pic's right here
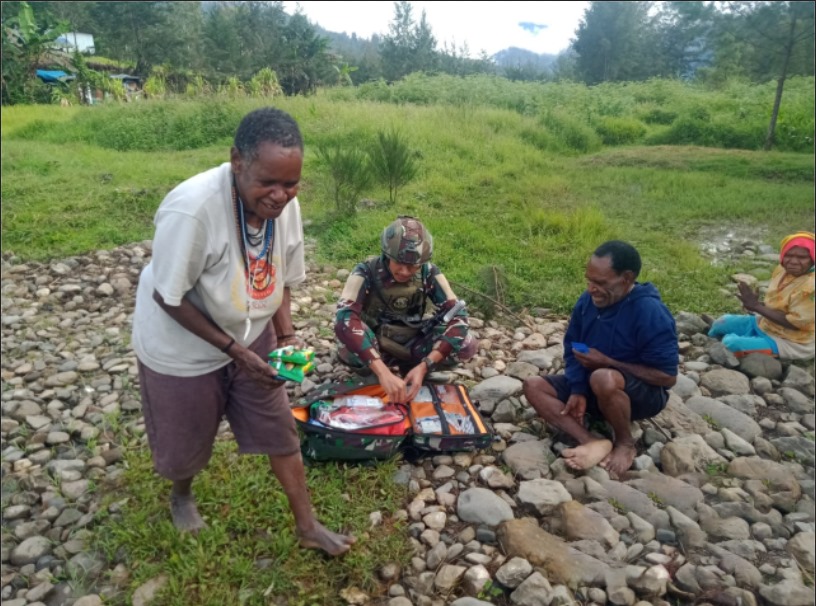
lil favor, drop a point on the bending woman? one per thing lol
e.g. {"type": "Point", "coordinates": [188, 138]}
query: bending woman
{"type": "Point", "coordinates": [786, 319]}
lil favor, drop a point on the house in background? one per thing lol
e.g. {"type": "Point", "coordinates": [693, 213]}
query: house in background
{"type": "Point", "coordinates": [132, 85]}
{"type": "Point", "coordinates": [72, 41]}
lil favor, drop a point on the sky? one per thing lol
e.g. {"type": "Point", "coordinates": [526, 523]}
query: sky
{"type": "Point", "coordinates": [541, 27]}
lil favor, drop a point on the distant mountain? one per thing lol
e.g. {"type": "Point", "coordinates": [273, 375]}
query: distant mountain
{"type": "Point", "coordinates": [518, 57]}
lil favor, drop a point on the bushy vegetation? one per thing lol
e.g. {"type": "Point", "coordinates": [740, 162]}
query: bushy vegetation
{"type": "Point", "coordinates": [734, 115]}
{"type": "Point", "coordinates": [532, 192]}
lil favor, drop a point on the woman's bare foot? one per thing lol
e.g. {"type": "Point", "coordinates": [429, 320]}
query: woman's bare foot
{"type": "Point", "coordinates": [185, 513]}
{"type": "Point", "coordinates": [620, 459]}
{"type": "Point", "coordinates": [321, 537]}
{"type": "Point", "coordinates": [587, 455]}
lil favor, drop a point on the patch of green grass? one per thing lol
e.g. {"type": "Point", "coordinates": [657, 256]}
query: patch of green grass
{"type": "Point", "coordinates": [487, 191]}
{"type": "Point", "coordinates": [716, 469]}
{"type": "Point", "coordinates": [657, 500]}
{"type": "Point", "coordinates": [711, 421]}
{"type": "Point", "coordinates": [619, 507]}
{"type": "Point", "coordinates": [249, 554]}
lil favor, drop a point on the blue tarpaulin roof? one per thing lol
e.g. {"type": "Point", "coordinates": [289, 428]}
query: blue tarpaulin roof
{"type": "Point", "coordinates": [51, 75]}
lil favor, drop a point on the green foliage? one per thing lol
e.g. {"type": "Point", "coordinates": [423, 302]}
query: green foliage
{"type": "Point", "coordinates": [711, 421]}
{"type": "Point", "coordinates": [28, 43]}
{"type": "Point", "coordinates": [265, 84]}
{"type": "Point", "coordinates": [249, 554]}
{"type": "Point", "coordinates": [349, 170]}
{"type": "Point", "coordinates": [658, 115]}
{"type": "Point", "coordinates": [393, 162]}
{"type": "Point", "coordinates": [716, 469]}
{"type": "Point", "coordinates": [488, 195]}
{"type": "Point", "coordinates": [619, 507]}
{"type": "Point", "coordinates": [170, 125]}
{"type": "Point", "coordinates": [573, 133]}
{"type": "Point", "coordinates": [696, 131]}
{"type": "Point", "coordinates": [619, 131]}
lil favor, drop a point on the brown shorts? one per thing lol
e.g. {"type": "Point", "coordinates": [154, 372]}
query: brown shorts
{"type": "Point", "coordinates": [182, 415]}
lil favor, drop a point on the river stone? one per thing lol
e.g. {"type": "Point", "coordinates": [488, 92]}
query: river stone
{"type": "Point", "coordinates": [666, 490]}
{"type": "Point", "coordinates": [678, 419]}
{"type": "Point", "coordinates": [543, 495]}
{"type": "Point", "coordinates": [529, 459]}
{"type": "Point", "coordinates": [685, 387]}
{"type": "Point", "coordinates": [761, 365]}
{"type": "Point", "coordinates": [800, 379]}
{"type": "Point", "coordinates": [796, 401]}
{"type": "Point", "coordinates": [688, 454]}
{"type": "Point", "coordinates": [689, 323]}
{"type": "Point", "coordinates": [801, 547]}
{"type": "Point", "coordinates": [540, 358]}
{"type": "Point", "coordinates": [30, 550]}
{"type": "Point", "coordinates": [725, 416]}
{"type": "Point", "coordinates": [560, 563]}
{"type": "Point", "coordinates": [483, 506]}
{"type": "Point", "coordinates": [787, 593]}
{"type": "Point", "coordinates": [721, 382]}
{"type": "Point", "coordinates": [583, 523]}
{"type": "Point", "coordinates": [495, 389]}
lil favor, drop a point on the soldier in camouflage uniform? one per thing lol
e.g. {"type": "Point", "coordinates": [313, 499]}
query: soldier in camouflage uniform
{"type": "Point", "coordinates": [379, 321]}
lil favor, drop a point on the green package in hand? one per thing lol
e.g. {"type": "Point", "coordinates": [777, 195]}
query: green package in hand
{"type": "Point", "coordinates": [293, 354]}
{"type": "Point", "coordinates": [290, 371]}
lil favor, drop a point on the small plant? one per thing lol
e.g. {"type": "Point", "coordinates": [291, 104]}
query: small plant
{"type": "Point", "coordinates": [348, 167]}
{"type": "Point", "coordinates": [715, 469]}
{"type": "Point", "coordinates": [393, 162]}
{"type": "Point", "coordinates": [711, 421]}
{"type": "Point", "coordinates": [265, 84]}
{"type": "Point", "coordinates": [489, 591]}
{"type": "Point", "coordinates": [657, 500]}
{"type": "Point", "coordinates": [619, 507]}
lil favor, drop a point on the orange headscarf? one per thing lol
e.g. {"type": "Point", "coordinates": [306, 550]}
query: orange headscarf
{"type": "Point", "coordinates": [805, 239]}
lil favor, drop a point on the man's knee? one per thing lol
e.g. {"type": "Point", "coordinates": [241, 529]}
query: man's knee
{"type": "Point", "coordinates": [542, 396]}
{"type": "Point", "coordinates": [605, 381]}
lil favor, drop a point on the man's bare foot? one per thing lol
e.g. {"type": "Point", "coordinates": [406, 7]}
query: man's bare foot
{"type": "Point", "coordinates": [321, 537]}
{"type": "Point", "coordinates": [185, 514]}
{"type": "Point", "coordinates": [619, 460]}
{"type": "Point", "coordinates": [586, 455]}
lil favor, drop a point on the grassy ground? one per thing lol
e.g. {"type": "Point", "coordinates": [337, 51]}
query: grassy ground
{"type": "Point", "coordinates": [249, 554]}
{"type": "Point", "coordinates": [489, 195]}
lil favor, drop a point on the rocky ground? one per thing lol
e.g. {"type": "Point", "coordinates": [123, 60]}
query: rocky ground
{"type": "Point", "coordinates": [718, 507]}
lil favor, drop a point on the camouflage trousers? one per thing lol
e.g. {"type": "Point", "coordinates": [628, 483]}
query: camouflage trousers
{"type": "Point", "coordinates": [419, 350]}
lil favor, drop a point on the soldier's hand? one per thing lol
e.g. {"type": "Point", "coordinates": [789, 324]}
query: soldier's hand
{"type": "Point", "coordinates": [414, 379]}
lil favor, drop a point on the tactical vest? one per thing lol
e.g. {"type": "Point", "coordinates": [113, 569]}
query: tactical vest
{"type": "Point", "coordinates": [399, 303]}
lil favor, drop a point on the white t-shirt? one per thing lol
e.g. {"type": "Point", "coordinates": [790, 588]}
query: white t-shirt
{"type": "Point", "coordinates": [197, 253]}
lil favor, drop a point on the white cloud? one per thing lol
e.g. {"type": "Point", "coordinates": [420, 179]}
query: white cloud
{"type": "Point", "coordinates": [489, 26]}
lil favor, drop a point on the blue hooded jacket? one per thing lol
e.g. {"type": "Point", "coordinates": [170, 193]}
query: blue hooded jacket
{"type": "Point", "coordinates": [638, 329]}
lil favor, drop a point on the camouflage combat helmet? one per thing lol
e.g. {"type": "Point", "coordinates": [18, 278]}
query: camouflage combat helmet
{"type": "Point", "coordinates": [407, 241]}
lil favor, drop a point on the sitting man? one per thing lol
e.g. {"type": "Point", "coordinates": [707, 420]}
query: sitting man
{"type": "Point", "coordinates": [621, 356]}
{"type": "Point", "coordinates": [379, 316]}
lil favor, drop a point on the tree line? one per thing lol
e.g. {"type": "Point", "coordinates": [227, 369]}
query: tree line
{"type": "Point", "coordinates": [226, 41]}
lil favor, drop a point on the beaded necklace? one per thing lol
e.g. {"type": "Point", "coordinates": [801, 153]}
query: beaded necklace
{"type": "Point", "coordinates": [244, 238]}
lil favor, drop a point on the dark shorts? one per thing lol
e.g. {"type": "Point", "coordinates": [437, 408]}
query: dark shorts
{"type": "Point", "coordinates": [646, 400]}
{"type": "Point", "coordinates": [182, 415]}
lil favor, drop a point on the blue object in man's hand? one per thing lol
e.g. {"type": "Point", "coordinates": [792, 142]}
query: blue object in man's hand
{"type": "Point", "coordinates": [580, 348]}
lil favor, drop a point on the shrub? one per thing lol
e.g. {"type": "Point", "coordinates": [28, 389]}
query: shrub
{"type": "Point", "coordinates": [658, 115]}
{"type": "Point", "coordinates": [720, 133]}
{"type": "Point", "coordinates": [574, 134]}
{"type": "Point", "coordinates": [541, 138]}
{"type": "Point", "coordinates": [619, 131]}
{"type": "Point", "coordinates": [393, 162]}
{"type": "Point", "coordinates": [349, 169]}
